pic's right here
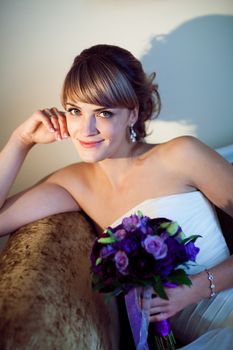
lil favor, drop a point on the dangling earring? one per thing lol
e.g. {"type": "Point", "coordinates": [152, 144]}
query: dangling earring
{"type": "Point", "coordinates": [133, 134]}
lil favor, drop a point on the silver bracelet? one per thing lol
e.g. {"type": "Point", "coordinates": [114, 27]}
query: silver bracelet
{"type": "Point", "coordinates": [212, 285]}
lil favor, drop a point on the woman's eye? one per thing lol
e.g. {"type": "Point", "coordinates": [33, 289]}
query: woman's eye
{"type": "Point", "coordinates": [105, 114]}
{"type": "Point", "coordinates": [74, 111]}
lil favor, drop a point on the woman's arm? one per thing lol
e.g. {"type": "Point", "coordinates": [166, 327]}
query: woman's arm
{"type": "Point", "coordinates": [44, 199]}
{"type": "Point", "coordinates": [11, 159]}
{"type": "Point", "coordinates": [39, 128]}
{"type": "Point", "coordinates": [182, 296]}
{"type": "Point", "coordinates": [200, 167]}
{"type": "Point", "coordinates": [47, 197]}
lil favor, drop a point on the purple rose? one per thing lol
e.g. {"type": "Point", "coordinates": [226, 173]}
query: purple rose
{"type": "Point", "coordinates": [131, 223]}
{"type": "Point", "coordinates": [121, 261]}
{"type": "Point", "coordinates": [155, 245]}
{"type": "Point", "coordinates": [134, 222]}
{"type": "Point", "coordinates": [191, 251]}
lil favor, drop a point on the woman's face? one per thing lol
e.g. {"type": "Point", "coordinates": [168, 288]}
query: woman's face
{"type": "Point", "coordinates": [97, 132]}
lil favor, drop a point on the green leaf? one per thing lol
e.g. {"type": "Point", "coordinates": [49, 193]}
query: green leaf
{"type": "Point", "coordinates": [109, 231]}
{"type": "Point", "coordinates": [97, 285]}
{"type": "Point", "coordinates": [180, 277]}
{"type": "Point", "coordinates": [107, 240]}
{"type": "Point", "coordinates": [98, 261]}
{"type": "Point", "coordinates": [192, 238]}
{"type": "Point", "coordinates": [158, 287]}
{"type": "Point", "coordinates": [164, 224]}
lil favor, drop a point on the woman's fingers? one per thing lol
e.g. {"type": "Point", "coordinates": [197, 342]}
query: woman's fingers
{"type": "Point", "coordinates": [42, 127]}
{"type": "Point", "coordinates": [156, 301]}
{"type": "Point", "coordinates": [43, 116]}
{"type": "Point", "coordinates": [56, 122]}
{"type": "Point", "coordinates": [158, 317]}
{"type": "Point", "coordinates": [159, 308]}
{"type": "Point", "coordinates": [61, 118]}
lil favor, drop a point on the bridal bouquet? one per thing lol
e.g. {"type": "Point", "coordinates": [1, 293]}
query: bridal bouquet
{"type": "Point", "coordinates": [142, 254]}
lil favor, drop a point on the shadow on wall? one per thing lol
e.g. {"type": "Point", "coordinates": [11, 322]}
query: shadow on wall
{"type": "Point", "coordinates": [194, 65]}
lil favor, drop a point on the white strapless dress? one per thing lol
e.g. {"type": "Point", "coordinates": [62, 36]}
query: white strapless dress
{"type": "Point", "coordinates": [209, 324]}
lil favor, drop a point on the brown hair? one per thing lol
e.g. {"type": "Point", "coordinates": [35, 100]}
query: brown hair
{"type": "Point", "coordinates": [110, 76]}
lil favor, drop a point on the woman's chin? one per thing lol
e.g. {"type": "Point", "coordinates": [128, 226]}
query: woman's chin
{"type": "Point", "coordinates": [91, 157]}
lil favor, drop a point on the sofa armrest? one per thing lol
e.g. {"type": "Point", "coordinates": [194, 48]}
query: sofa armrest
{"type": "Point", "coordinates": [46, 301]}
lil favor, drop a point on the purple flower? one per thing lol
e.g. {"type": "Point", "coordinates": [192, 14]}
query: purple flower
{"type": "Point", "coordinates": [121, 261]}
{"type": "Point", "coordinates": [106, 251]}
{"type": "Point", "coordinates": [128, 245]}
{"type": "Point", "coordinates": [131, 223]}
{"type": "Point", "coordinates": [141, 265]}
{"type": "Point", "coordinates": [120, 234]}
{"type": "Point", "coordinates": [134, 222]}
{"type": "Point", "coordinates": [164, 266]}
{"type": "Point", "coordinates": [191, 251]}
{"type": "Point", "coordinates": [155, 245]}
{"type": "Point", "coordinates": [138, 251]}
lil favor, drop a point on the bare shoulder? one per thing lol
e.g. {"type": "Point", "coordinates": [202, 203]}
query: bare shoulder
{"type": "Point", "coordinates": [186, 150]}
{"type": "Point", "coordinates": [181, 146]}
{"type": "Point", "coordinates": [200, 167]}
{"type": "Point", "coordinates": [75, 171]}
{"type": "Point", "coordinates": [75, 179]}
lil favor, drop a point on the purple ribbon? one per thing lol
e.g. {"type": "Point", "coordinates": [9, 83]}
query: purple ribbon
{"type": "Point", "coordinates": [162, 328]}
{"type": "Point", "coordinates": [137, 320]}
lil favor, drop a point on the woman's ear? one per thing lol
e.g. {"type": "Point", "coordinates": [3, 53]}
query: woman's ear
{"type": "Point", "coordinates": [133, 117]}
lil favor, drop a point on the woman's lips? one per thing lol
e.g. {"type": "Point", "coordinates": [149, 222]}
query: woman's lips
{"type": "Point", "coordinates": [90, 144]}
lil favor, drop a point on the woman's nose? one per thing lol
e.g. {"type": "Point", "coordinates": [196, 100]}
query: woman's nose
{"type": "Point", "coordinates": [88, 126]}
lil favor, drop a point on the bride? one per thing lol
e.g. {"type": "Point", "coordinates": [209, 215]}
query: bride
{"type": "Point", "coordinates": [107, 99]}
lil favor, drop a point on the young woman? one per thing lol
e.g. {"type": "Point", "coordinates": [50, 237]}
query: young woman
{"type": "Point", "coordinates": [108, 98]}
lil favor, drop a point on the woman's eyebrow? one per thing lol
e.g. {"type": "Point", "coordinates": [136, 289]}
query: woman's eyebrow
{"type": "Point", "coordinates": [95, 110]}
{"type": "Point", "coordinates": [71, 104]}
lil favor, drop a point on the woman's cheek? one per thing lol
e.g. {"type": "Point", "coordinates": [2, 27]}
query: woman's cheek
{"type": "Point", "coordinates": [72, 127]}
{"type": "Point", "coordinates": [105, 130]}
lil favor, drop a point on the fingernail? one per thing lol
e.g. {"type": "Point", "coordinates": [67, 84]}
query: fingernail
{"type": "Point", "coordinates": [59, 138]}
{"type": "Point", "coordinates": [65, 135]}
{"type": "Point", "coordinates": [52, 130]}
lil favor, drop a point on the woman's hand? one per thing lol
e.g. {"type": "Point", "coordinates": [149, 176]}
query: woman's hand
{"type": "Point", "coordinates": [162, 309]}
{"type": "Point", "coordinates": [44, 126]}
{"type": "Point", "coordinates": [179, 298]}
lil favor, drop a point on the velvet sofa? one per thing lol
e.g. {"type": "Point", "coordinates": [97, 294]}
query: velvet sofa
{"type": "Point", "coordinates": [46, 300]}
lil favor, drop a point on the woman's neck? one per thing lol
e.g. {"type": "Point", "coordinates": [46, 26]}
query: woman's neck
{"type": "Point", "coordinates": [117, 171]}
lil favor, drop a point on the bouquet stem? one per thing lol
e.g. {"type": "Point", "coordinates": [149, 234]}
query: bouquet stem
{"type": "Point", "coordinates": [165, 343]}
{"type": "Point", "coordinates": [161, 336]}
